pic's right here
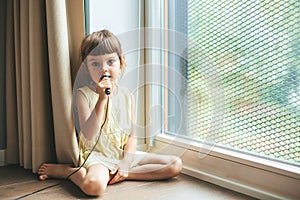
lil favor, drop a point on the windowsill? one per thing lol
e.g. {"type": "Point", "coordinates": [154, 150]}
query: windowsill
{"type": "Point", "coordinates": [234, 156]}
{"type": "Point", "coordinates": [254, 176]}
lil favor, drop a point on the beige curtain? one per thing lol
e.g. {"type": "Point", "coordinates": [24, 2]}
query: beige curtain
{"type": "Point", "coordinates": [42, 45]}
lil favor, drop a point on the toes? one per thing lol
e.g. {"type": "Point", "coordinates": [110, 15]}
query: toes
{"type": "Point", "coordinates": [42, 172]}
{"type": "Point", "coordinates": [41, 169]}
{"type": "Point", "coordinates": [43, 177]}
{"type": "Point", "coordinates": [43, 166]}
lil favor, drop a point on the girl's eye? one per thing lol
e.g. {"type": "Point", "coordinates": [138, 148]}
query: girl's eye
{"type": "Point", "coordinates": [111, 62]}
{"type": "Point", "coordinates": [95, 64]}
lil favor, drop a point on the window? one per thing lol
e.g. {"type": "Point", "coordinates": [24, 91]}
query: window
{"type": "Point", "coordinates": [234, 92]}
{"type": "Point", "coordinates": [242, 74]}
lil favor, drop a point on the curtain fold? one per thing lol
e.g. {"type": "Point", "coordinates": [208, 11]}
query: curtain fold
{"type": "Point", "coordinates": [12, 147]}
{"type": "Point", "coordinates": [41, 62]}
{"type": "Point", "coordinates": [61, 85]}
{"type": "Point", "coordinates": [3, 20]}
{"type": "Point", "coordinates": [40, 103]}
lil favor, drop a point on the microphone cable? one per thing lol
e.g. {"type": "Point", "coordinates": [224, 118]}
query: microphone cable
{"type": "Point", "coordinates": [67, 178]}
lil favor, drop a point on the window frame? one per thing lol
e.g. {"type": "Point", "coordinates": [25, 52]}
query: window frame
{"type": "Point", "coordinates": [252, 175]}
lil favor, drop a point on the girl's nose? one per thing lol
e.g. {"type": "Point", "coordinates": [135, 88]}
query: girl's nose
{"type": "Point", "coordinates": [106, 67]}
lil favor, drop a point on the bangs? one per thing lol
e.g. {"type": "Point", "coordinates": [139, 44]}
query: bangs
{"type": "Point", "coordinates": [106, 46]}
{"type": "Point", "coordinates": [100, 43]}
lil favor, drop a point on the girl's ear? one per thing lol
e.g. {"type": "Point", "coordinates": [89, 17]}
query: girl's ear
{"type": "Point", "coordinates": [122, 61]}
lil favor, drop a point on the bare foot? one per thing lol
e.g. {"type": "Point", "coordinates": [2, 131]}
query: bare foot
{"type": "Point", "coordinates": [54, 171]}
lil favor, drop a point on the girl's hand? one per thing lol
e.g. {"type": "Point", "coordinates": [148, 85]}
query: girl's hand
{"type": "Point", "coordinates": [121, 173]}
{"type": "Point", "coordinates": [102, 85]}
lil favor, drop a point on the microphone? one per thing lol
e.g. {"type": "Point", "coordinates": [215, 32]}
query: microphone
{"type": "Point", "coordinates": [107, 90]}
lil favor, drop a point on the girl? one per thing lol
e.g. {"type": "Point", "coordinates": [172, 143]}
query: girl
{"type": "Point", "coordinates": [114, 158]}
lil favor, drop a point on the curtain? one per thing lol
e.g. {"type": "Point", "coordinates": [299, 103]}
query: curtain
{"type": "Point", "coordinates": [2, 80]}
{"type": "Point", "coordinates": [42, 46]}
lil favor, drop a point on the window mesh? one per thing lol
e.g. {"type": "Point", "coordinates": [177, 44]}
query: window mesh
{"type": "Point", "coordinates": [244, 75]}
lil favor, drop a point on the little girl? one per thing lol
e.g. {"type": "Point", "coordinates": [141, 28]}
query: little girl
{"type": "Point", "coordinates": [110, 114]}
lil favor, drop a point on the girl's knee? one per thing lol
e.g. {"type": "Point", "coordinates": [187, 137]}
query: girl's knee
{"type": "Point", "coordinates": [176, 167]}
{"type": "Point", "coordinates": [93, 187]}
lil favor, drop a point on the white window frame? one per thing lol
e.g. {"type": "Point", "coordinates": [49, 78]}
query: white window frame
{"type": "Point", "coordinates": [248, 174]}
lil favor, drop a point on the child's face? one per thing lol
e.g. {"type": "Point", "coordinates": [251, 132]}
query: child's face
{"type": "Point", "coordinates": [107, 64]}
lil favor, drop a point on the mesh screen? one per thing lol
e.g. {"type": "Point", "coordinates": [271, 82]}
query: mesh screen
{"type": "Point", "coordinates": [244, 75]}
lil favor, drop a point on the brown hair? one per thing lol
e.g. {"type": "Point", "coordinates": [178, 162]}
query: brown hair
{"type": "Point", "coordinates": [100, 43]}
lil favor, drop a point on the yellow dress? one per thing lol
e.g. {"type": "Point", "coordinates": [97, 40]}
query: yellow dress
{"type": "Point", "coordinates": [115, 132]}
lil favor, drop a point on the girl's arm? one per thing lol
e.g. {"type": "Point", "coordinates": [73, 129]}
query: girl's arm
{"type": "Point", "coordinates": [130, 147]}
{"type": "Point", "coordinates": [89, 120]}
{"type": "Point", "coordinates": [129, 151]}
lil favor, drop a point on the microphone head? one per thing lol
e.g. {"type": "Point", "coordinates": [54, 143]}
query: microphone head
{"type": "Point", "coordinates": [107, 91]}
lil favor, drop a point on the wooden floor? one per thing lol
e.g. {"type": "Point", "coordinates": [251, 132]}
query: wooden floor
{"type": "Point", "coordinates": [16, 182]}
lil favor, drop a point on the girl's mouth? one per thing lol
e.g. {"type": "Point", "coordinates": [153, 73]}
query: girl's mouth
{"type": "Point", "coordinates": [105, 76]}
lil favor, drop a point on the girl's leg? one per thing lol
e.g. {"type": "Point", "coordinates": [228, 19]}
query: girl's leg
{"type": "Point", "coordinates": [156, 167]}
{"type": "Point", "coordinates": [92, 181]}
{"type": "Point", "coordinates": [57, 171]}
{"type": "Point", "coordinates": [95, 181]}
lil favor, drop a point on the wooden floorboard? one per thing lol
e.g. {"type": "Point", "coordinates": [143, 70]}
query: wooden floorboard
{"type": "Point", "coordinates": [16, 182]}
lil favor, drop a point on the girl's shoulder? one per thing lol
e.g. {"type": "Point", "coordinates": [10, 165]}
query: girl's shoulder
{"type": "Point", "coordinates": [124, 90]}
{"type": "Point", "coordinates": [89, 94]}
{"type": "Point", "coordinates": [125, 93]}
{"type": "Point", "coordinates": [85, 90]}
